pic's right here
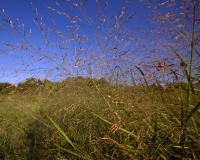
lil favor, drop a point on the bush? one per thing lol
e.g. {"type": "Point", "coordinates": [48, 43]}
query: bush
{"type": "Point", "coordinates": [6, 88]}
{"type": "Point", "coordinates": [30, 84]}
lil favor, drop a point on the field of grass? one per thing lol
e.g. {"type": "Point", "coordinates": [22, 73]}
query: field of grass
{"type": "Point", "coordinates": [91, 119]}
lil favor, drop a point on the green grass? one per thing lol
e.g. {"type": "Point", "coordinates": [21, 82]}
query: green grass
{"type": "Point", "coordinates": [77, 121]}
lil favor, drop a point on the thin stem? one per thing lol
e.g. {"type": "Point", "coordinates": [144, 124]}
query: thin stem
{"type": "Point", "coordinates": [184, 134]}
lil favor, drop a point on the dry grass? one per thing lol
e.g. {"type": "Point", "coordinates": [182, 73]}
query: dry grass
{"type": "Point", "coordinates": [138, 123]}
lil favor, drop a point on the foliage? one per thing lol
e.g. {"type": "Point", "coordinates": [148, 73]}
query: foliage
{"type": "Point", "coordinates": [6, 88]}
{"type": "Point", "coordinates": [123, 130]}
{"type": "Point", "coordinates": [30, 84]}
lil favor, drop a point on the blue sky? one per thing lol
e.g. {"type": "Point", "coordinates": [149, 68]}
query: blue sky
{"type": "Point", "coordinates": [19, 64]}
{"type": "Point", "coordinates": [69, 44]}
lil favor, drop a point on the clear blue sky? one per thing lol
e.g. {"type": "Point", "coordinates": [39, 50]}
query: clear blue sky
{"type": "Point", "coordinates": [43, 61]}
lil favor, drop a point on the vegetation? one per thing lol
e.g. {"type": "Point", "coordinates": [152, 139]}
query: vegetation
{"type": "Point", "coordinates": [6, 88]}
{"type": "Point", "coordinates": [119, 122]}
{"type": "Point", "coordinates": [110, 106]}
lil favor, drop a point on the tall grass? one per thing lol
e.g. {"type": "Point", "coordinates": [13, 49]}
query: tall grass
{"type": "Point", "coordinates": [80, 125]}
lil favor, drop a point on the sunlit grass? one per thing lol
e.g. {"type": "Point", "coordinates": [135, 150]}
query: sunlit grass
{"type": "Point", "coordinates": [82, 125]}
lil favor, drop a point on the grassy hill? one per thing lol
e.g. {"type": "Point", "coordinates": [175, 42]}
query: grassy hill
{"type": "Point", "coordinates": [84, 118]}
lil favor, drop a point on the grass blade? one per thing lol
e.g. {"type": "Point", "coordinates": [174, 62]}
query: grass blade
{"type": "Point", "coordinates": [142, 73]}
{"type": "Point", "coordinates": [121, 129]}
{"type": "Point", "coordinates": [72, 153]}
{"type": "Point", "coordinates": [193, 111]}
{"type": "Point", "coordinates": [58, 128]}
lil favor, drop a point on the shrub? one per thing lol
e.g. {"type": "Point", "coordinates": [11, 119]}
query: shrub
{"type": "Point", "coordinates": [6, 88]}
{"type": "Point", "coordinates": [30, 84]}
